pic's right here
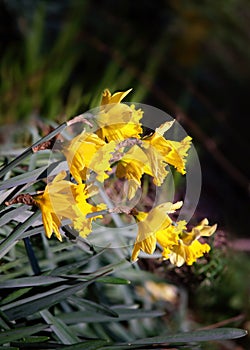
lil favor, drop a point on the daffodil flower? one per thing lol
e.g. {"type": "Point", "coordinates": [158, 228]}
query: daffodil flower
{"type": "Point", "coordinates": [178, 245]}
{"type": "Point", "coordinates": [152, 157]}
{"type": "Point", "coordinates": [118, 121]}
{"type": "Point", "coordinates": [189, 249]}
{"type": "Point", "coordinates": [87, 152]}
{"type": "Point", "coordinates": [173, 152]}
{"type": "Point", "coordinates": [62, 199]}
{"type": "Point", "coordinates": [153, 223]}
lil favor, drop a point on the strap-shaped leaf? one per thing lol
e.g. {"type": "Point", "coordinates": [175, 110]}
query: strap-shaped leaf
{"type": "Point", "coordinates": [62, 331]}
{"type": "Point", "coordinates": [88, 345]}
{"type": "Point", "coordinates": [19, 214]}
{"type": "Point", "coordinates": [10, 241]}
{"type": "Point", "coordinates": [123, 315]}
{"type": "Point", "coordinates": [34, 175]}
{"type": "Point", "coordinates": [31, 281]}
{"type": "Point", "coordinates": [19, 333]}
{"type": "Point", "coordinates": [195, 336]}
{"type": "Point", "coordinates": [29, 306]}
{"type": "Point", "coordinates": [94, 307]}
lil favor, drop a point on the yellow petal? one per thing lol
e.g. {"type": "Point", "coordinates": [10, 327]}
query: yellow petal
{"type": "Point", "coordinates": [119, 122]}
{"type": "Point", "coordinates": [107, 98]}
{"type": "Point", "coordinates": [177, 155]}
{"type": "Point", "coordinates": [151, 223]}
{"type": "Point", "coordinates": [177, 256]}
{"type": "Point", "coordinates": [181, 253]}
{"type": "Point", "coordinates": [157, 165]}
{"type": "Point", "coordinates": [195, 251]}
{"type": "Point", "coordinates": [100, 162]}
{"type": "Point", "coordinates": [173, 152]}
{"type": "Point", "coordinates": [131, 167]}
{"type": "Point", "coordinates": [201, 230]}
{"type": "Point", "coordinates": [80, 152]}
{"type": "Point", "coordinates": [169, 236]}
{"type": "Point", "coordinates": [62, 199]}
{"type": "Point", "coordinates": [147, 245]}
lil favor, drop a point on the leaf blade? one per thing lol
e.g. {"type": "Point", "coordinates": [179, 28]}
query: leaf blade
{"type": "Point", "coordinates": [62, 331]}
{"type": "Point", "coordinates": [18, 333]}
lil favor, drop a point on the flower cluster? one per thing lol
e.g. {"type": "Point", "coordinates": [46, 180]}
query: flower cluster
{"type": "Point", "coordinates": [178, 245]}
{"type": "Point", "coordinates": [119, 147]}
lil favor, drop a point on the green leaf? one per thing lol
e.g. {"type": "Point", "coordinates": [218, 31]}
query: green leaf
{"type": "Point", "coordinates": [62, 331]}
{"type": "Point", "coordinates": [34, 339]}
{"type": "Point", "coordinates": [34, 175]}
{"type": "Point", "coordinates": [4, 322]}
{"type": "Point", "coordinates": [15, 295]}
{"type": "Point", "coordinates": [63, 270]}
{"type": "Point", "coordinates": [19, 333]}
{"type": "Point", "coordinates": [12, 214]}
{"type": "Point", "coordinates": [87, 345]}
{"type": "Point", "coordinates": [38, 302]}
{"type": "Point", "coordinates": [31, 281]}
{"type": "Point", "coordinates": [123, 315]}
{"type": "Point", "coordinates": [195, 336]}
{"type": "Point", "coordinates": [90, 305]}
{"type": "Point", "coordinates": [33, 231]}
{"type": "Point", "coordinates": [10, 241]}
{"type": "Point", "coordinates": [9, 266]}
{"type": "Point", "coordinates": [113, 280]}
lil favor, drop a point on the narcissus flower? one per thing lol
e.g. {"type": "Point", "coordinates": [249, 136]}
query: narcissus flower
{"type": "Point", "coordinates": [152, 157]}
{"type": "Point", "coordinates": [178, 245]}
{"type": "Point", "coordinates": [87, 152]}
{"type": "Point", "coordinates": [173, 152]}
{"type": "Point", "coordinates": [149, 224]}
{"type": "Point", "coordinates": [62, 199]}
{"type": "Point", "coordinates": [189, 249]}
{"type": "Point", "coordinates": [118, 121]}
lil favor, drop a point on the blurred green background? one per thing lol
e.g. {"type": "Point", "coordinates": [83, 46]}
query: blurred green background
{"type": "Point", "coordinates": [189, 58]}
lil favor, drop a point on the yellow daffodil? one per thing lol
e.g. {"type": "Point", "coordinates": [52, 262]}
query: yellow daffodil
{"type": "Point", "coordinates": [173, 152]}
{"type": "Point", "coordinates": [118, 121]}
{"type": "Point", "coordinates": [178, 245]}
{"type": "Point", "coordinates": [180, 254]}
{"type": "Point", "coordinates": [62, 199]}
{"type": "Point", "coordinates": [189, 249]}
{"type": "Point", "coordinates": [87, 152]}
{"type": "Point", "coordinates": [149, 224]}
